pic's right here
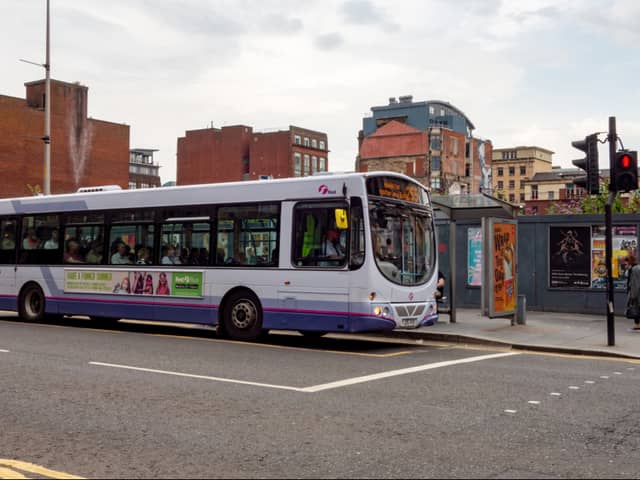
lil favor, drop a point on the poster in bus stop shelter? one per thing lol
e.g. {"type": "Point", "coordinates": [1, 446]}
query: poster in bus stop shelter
{"type": "Point", "coordinates": [569, 256]}
{"type": "Point", "coordinates": [474, 256]}
{"type": "Point", "coordinates": [624, 240]}
{"type": "Point", "coordinates": [134, 282]}
{"type": "Point", "coordinates": [504, 267]}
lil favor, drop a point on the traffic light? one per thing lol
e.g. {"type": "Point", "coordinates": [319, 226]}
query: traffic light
{"type": "Point", "coordinates": [624, 176]}
{"type": "Point", "coordinates": [591, 181]}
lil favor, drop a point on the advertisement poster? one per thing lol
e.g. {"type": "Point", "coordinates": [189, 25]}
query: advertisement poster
{"type": "Point", "coordinates": [504, 267]}
{"type": "Point", "coordinates": [474, 257]}
{"type": "Point", "coordinates": [138, 282]}
{"type": "Point", "coordinates": [624, 241]}
{"type": "Point", "coordinates": [569, 256]}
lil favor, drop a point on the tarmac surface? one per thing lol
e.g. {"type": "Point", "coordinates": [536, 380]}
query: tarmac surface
{"type": "Point", "coordinates": [544, 331]}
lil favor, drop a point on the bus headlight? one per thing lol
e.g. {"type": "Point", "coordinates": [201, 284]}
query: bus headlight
{"type": "Point", "coordinates": [377, 311]}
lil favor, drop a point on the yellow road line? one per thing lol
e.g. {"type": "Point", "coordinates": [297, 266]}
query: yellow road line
{"type": "Point", "coordinates": [31, 468]}
{"type": "Point", "coordinates": [284, 347]}
{"type": "Point", "coordinates": [10, 474]}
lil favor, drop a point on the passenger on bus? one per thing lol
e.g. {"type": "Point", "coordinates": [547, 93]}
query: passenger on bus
{"type": "Point", "coordinates": [94, 256]}
{"type": "Point", "coordinates": [52, 243]}
{"type": "Point", "coordinates": [121, 257]}
{"type": "Point", "coordinates": [31, 241]}
{"type": "Point", "coordinates": [8, 240]}
{"type": "Point", "coordinates": [72, 253]}
{"type": "Point", "coordinates": [169, 256]}
{"type": "Point", "coordinates": [144, 256]}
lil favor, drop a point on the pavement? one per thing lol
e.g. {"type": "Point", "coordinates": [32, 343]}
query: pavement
{"type": "Point", "coordinates": [570, 333]}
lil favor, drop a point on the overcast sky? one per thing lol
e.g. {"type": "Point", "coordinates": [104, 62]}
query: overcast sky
{"type": "Point", "coordinates": [526, 72]}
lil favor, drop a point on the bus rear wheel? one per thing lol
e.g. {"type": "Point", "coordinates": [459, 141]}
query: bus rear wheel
{"type": "Point", "coordinates": [31, 304]}
{"type": "Point", "coordinates": [242, 319]}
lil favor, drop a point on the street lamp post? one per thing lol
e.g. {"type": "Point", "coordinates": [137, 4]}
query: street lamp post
{"type": "Point", "coordinates": [46, 138]}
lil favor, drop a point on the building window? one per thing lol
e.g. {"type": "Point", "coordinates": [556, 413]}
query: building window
{"type": "Point", "coordinates": [432, 110]}
{"type": "Point", "coordinates": [435, 163]}
{"type": "Point", "coordinates": [297, 140]}
{"type": "Point", "coordinates": [521, 184]}
{"type": "Point", "coordinates": [454, 146]}
{"type": "Point", "coordinates": [132, 185]}
{"type": "Point", "coordinates": [512, 171]}
{"type": "Point", "coordinates": [442, 112]}
{"type": "Point", "coordinates": [435, 183]}
{"type": "Point", "coordinates": [523, 170]}
{"type": "Point", "coordinates": [435, 142]}
{"type": "Point", "coordinates": [305, 171]}
{"type": "Point", "coordinates": [500, 185]}
{"type": "Point", "coordinates": [467, 170]}
{"type": "Point", "coordinates": [522, 197]}
{"type": "Point", "coordinates": [512, 184]}
{"type": "Point", "coordinates": [534, 192]}
{"type": "Point", "coordinates": [512, 198]}
{"type": "Point", "coordinates": [314, 143]}
{"type": "Point", "coordinates": [500, 171]}
{"type": "Point", "coordinates": [314, 164]}
{"type": "Point", "coordinates": [297, 164]}
{"type": "Point", "coordinates": [322, 166]}
{"type": "Point", "coordinates": [550, 195]}
{"type": "Point", "coordinates": [321, 144]}
{"type": "Point", "coordinates": [306, 141]}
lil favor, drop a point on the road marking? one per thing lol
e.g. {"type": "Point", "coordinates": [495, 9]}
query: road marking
{"type": "Point", "coordinates": [315, 388]}
{"type": "Point", "coordinates": [555, 394]}
{"type": "Point", "coordinates": [617, 373]}
{"type": "Point", "coordinates": [30, 468]}
{"type": "Point", "coordinates": [201, 377]}
{"type": "Point", "coordinates": [534, 402]}
{"type": "Point", "coordinates": [284, 347]}
{"type": "Point", "coordinates": [573, 387]}
{"type": "Point", "coordinates": [3, 351]}
{"type": "Point", "coordinates": [510, 411]}
{"type": "Point", "coordinates": [630, 368]}
{"type": "Point", "coordinates": [589, 382]}
{"type": "Point", "coordinates": [402, 371]}
{"type": "Point", "coordinates": [604, 376]}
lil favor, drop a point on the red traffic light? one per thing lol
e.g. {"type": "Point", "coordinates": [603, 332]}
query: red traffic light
{"type": "Point", "coordinates": [625, 161]}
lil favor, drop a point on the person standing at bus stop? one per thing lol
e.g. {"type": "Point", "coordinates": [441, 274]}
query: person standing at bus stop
{"type": "Point", "coordinates": [633, 288]}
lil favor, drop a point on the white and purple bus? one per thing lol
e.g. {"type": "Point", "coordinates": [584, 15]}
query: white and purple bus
{"type": "Point", "coordinates": [349, 252]}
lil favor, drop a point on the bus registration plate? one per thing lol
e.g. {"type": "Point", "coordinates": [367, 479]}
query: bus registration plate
{"type": "Point", "coordinates": [409, 322]}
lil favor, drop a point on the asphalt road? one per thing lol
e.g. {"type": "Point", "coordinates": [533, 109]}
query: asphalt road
{"type": "Point", "coordinates": [142, 401]}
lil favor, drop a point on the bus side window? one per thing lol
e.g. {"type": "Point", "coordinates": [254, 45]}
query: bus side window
{"type": "Point", "coordinates": [8, 242]}
{"type": "Point", "coordinates": [317, 239]}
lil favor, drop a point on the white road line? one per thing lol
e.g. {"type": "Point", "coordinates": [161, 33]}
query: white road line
{"type": "Point", "coordinates": [573, 387]}
{"type": "Point", "coordinates": [202, 377]}
{"type": "Point", "coordinates": [617, 373]}
{"type": "Point", "coordinates": [604, 376]}
{"type": "Point", "coordinates": [534, 402]}
{"type": "Point", "coordinates": [510, 411]}
{"type": "Point", "coordinates": [4, 351]}
{"type": "Point", "coordinates": [402, 371]}
{"type": "Point", "coordinates": [555, 394]}
{"type": "Point", "coordinates": [589, 382]}
{"type": "Point", "coordinates": [315, 388]}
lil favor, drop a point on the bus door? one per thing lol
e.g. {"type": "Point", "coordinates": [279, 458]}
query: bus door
{"type": "Point", "coordinates": [8, 263]}
{"type": "Point", "coordinates": [315, 294]}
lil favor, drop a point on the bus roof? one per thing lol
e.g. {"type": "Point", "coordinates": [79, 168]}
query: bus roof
{"type": "Point", "coordinates": [312, 187]}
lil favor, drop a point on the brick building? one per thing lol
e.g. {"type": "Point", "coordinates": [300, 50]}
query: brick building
{"type": "Point", "coordinates": [235, 153]}
{"type": "Point", "coordinates": [84, 151]}
{"type": "Point", "coordinates": [437, 147]}
{"type": "Point", "coordinates": [143, 171]}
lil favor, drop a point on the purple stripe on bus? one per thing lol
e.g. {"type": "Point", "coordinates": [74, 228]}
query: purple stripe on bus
{"type": "Point", "coordinates": [129, 302]}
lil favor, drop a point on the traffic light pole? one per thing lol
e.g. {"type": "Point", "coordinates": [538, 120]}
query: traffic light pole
{"type": "Point", "coordinates": [613, 140]}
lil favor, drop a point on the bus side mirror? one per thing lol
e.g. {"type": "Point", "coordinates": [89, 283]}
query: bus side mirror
{"type": "Point", "coordinates": [341, 219]}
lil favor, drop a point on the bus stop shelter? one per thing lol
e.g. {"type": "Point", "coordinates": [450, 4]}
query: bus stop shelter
{"type": "Point", "coordinates": [472, 206]}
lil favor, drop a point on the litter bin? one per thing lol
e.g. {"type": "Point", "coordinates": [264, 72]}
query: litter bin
{"type": "Point", "coordinates": [521, 310]}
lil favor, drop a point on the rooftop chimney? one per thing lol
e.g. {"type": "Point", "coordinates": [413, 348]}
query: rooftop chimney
{"type": "Point", "coordinates": [406, 99]}
{"type": "Point", "coordinates": [392, 100]}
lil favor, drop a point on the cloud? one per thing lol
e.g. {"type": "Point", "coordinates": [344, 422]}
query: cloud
{"type": "Point", "coordinates": [364, 12]}
{"type": "Point", "coordinates": [280, 23]}
{"type": "Point", "coordinates": [329, 41]}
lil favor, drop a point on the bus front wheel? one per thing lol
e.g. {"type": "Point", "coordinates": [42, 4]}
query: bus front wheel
{"type": "Point", "coordinates": [31, 307]}
{"type": "Point", "coordinates": [243, 316]}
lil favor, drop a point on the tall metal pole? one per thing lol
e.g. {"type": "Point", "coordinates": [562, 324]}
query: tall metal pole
{"type": "Point", "coordinates": [47, 115]}
{"type": "Point", "coordinates": [613, 139]}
